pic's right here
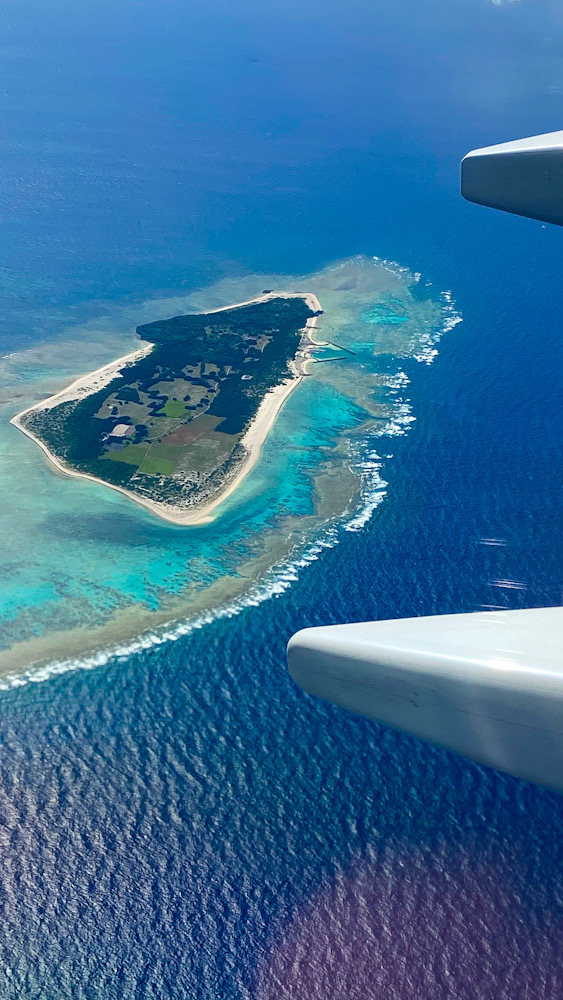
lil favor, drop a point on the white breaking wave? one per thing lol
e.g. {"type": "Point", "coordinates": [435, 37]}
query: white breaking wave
{"type": "Point", "coordinates": [393, 267]}
{"type": "Point", "coordinates": [427, 351]}
{"type": "Point", "coordinates": [279, 579]}
{"type": "Point", "coordinates": [373, 491]}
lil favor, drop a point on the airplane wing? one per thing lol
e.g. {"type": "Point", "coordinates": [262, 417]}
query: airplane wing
{"type": "Point", "coordinates": [523, 177]}
{"type": "Point", "coordinates": [487, 685]}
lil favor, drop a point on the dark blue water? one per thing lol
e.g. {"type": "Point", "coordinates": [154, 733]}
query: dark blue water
{"type": "Point", "coordinates": [186, 824]}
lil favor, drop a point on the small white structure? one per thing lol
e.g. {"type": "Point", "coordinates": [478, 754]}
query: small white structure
{"type": "Point", "coordinates": [122, 430]}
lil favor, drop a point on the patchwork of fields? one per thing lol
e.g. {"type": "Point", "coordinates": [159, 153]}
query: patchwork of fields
{"type": "Point", "coordinates": [169, 425]}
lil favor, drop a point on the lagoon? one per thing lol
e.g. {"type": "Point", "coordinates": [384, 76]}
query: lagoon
{"type": "Point", "coordinates": [104, 575]}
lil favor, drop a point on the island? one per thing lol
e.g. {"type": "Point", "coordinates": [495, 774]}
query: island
{"type": "Point", "coordinates": [179, 423]}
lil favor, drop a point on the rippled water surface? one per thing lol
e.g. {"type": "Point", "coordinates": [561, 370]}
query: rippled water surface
{"type": "Point", "coordinates": [179, 821]}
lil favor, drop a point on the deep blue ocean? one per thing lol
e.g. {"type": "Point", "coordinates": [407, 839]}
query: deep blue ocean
{"type": "Point", "coordinates": [186, 823]}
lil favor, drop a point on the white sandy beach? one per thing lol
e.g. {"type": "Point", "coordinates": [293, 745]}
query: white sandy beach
{"type": "Point", "coordinates": [252, 441]}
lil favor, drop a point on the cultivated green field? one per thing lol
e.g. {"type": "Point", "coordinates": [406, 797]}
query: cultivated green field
{"type": "Point", "coordinates": [170, 423]}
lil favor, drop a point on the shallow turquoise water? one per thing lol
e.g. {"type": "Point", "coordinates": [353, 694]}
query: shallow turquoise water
{"type": "Point", "coordinates": [93, 554]}
{"type": "Point", "coordinates": [382, 315]}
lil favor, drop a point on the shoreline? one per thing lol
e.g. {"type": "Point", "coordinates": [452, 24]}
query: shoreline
{"type": "Point", "coordinates": [253, 439]}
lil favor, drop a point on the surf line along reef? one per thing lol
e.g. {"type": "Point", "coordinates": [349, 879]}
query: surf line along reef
{"type": "Point", "coordinates": [179, 423]}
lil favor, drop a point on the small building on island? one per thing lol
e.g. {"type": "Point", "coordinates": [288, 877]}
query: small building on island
{"type": "Point", "coordinates": [122, 431]}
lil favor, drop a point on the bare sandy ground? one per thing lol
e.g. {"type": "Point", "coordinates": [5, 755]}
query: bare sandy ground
{"type": "Point", "coordinates": [252, 441]}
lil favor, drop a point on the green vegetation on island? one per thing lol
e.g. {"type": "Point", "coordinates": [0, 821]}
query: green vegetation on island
{"type": "Point", "coordinates": [168, 426]}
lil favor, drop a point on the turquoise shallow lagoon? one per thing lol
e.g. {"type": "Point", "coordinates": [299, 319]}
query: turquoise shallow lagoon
{"type": "Point", "coordinates": [84, 570]}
